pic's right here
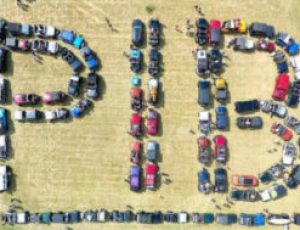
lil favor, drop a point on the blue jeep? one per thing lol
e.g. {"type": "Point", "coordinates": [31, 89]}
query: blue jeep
{"type": "Point", "coordinates": [136, 60]}
{"type": "Point", "coordinates": [252, 219]}
{"type": "Point", "coordinates": [3, 121]}
{"type": "Point", "coordinates": [221, 117]}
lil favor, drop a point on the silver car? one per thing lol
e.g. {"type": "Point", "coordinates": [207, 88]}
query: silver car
{"type": "Point", "coordinates": [271, 107]}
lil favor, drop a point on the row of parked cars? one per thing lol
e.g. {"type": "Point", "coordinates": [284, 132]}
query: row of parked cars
{"type": "Point", "coordinates": [152, 124]}
{"type": "Point", "coordinates": [143, 217]}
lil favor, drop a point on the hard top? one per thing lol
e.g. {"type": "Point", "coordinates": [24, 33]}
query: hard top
{"type": "Point", "coordinates": [151, 168]}
{"type": "Point", "coordinates": [135, 170]}
{"type": "Point", "coordinates": [204, 116]}
{"type": "Point", "coordinates": [135, 53]}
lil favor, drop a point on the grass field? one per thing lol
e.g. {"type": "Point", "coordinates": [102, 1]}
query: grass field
{"type": "Point", "coordinates": [82, 164]}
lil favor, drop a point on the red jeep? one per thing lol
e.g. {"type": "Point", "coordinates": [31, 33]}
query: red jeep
{"type": "Point", "coordinates": [151, 173]}
{"type": "Point", "coordinates": [220, 148]}
{"type": "Point", "coordinates": [214, 35]}
{"type": "Point", "coordinates": [281, 87]}
{"type": "Point", "coordinates": [136, 125]}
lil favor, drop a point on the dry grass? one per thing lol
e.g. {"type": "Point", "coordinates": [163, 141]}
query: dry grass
{"type": "Point", "coordinates": [82, 164]}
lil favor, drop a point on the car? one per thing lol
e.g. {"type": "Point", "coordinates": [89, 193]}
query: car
{"type": "Point", "coordinates": [23, 44]}
{"type": "Point", "coordinates": [3, 121]}
{"type": "Point", "coordinates": [152, 151]}
{"type": "Point", "coordinates": [295, 63]}
{"type": "Point", "coordinates": [249, 195]}
{"type": "Point", "coordinates": [244, 180]}
{"type": "Point", "coordinates": [257, 220]}
{"type": "Point", "coordinates": [271, 107]}
{"type": "Point", "coordinates": [204, 152]}
{"type": "Point", "coordinates": [57, 114]}
{"type": "Point", "coordinates": [121, 216]}
{"type": "Point", "coordinates": [265, 44]}
{"type": "Point", "coordinates": [221, 150]}
{"type": "Point", "coordinates": [204, 92]}
{"type": "Point", "coordinates": [28, 115]}
{"type": "Point", "coordinates": [220, 180]}
{"type": "Point", "coordinates": [201, 35]}
{"type": "Point", "coordinates": [221, 117]}
{"type": "Point", "coordinates": [281, 131]}
{"type": "Point", "coordinates": [136, 98]}
{"type": "Point", "coordinates": [3, 90]}
{"type": "Point", "coordinates": [285, 41]}
{"type": "Point", "coordinates": [293, 123]}
{"type": "Point", "coordinates": [153, 68]}
{"type": "Point", "coordinates": [80, 107]}
{"type": "Point", "coordinates": [5, 177]}
{"type": "Point", "coordinates": [170, 217]}
{"type": "Point", "coordinates": [102, 215]}
{"type": "Point", "coordinates": [39, 46]}
{"type": "Point", "coordinates": [136, 59]}
{"type": "Point", "coordinates": [136, 152]}
{"type": "Point", "coordinates": [152, 122]}
{"type": "Point", "coordinates": [293, 94]}
{"type": "Point", "coordinates": [281, 87]}
{"type": "Point", "coordinates": [149, 217]}
{"type": "Point", "coordinates": [153, 87]}
{"type": "Point", "coordinates": [3, 147]}
{"type": "Point", "coordinates": [135, 178]}
{"type": "Point", "coordinates": [71, 59]}
{"type": "Point", "coordinates": [72, 217]}
{"type": "Point", "coordinates": [282, 66]}
{"type": "Point", "coordinates": [90, 58]}
{"type": "Point", "coordinates": [289, 153]}
{"type": "Point", "coordinates": [183, 217]}
{"type": "Point", "coordinates": [19, 29]}
{"type": "Point", "coordinates": [90, 216]}
{"type": "Point", "coordinates": [136, 125]}
{"type": "Point", "coordinates": [278, 219]}
{"type": "Point", "coordinates": [249, 122]}
{"type": "Point", "coordinates": [137, 32]}
{"type": "Point", "coordinates": [215, 61]}
{"type": "Point", "coordinates": [276, 191]}
{"type": "Point", "coordinates": [67, 36]}
{"type": "Point", "coordinates": [74, 85]}
{"type": "Point", "coordinates": [214, 35]}
{"type": "Point", "coordinates": [53, 97]}
{"type": "Point", "coordinates": [204, 184]}
{"type": "Point", "coordinates": [221, 92]}
{"type": "Point", "coordinates": [294, 177]}
{"type": "Point", "coordinates": [23, 99]}
{"type": "Point", "coordinates": [92, 86]}
{"type": "Point", "coordinates": [151, 171]}
{"type": "Point", "coordinates": [204, 122]}
{"type": "Point", "coordinates": [3, 60]}
{"type": "Point", "coordinates": [235, 25]}
{"type": "Point", "coordinates": [296, 218]}
{"type": "Point", "coordinates": [242, 44]}
{"type": "Point", "coordinates": [276, 171]}
{"type": "Point", "coordinates": [11, 43]}
{"type": "Point", "coordinates": [261, 30]}
{"type": "Point", "coordinates": [35, 218]}
{"type": "Point", "coordinates": [154, 32]}
{"type": "Point", "coordinates": [246, 106]}
{"type": "Point", "coordinates": [226, 219]}
{"type": "Point", "coordinates": [202, 68]}
{"type": "Point", "coordinates": [58, 218]}
{"type": "Point", "coordinates": [45, 31]}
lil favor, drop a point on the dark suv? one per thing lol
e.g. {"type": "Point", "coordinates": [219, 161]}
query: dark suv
{"type": "Point", "coordinates": [246, 106]}
{"type": "Point", "coordinates": [203, 92]}
{"type": "Point", "coordinates": [137, 32]}
{"type": "Point", "coordinates": [262, 30]}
